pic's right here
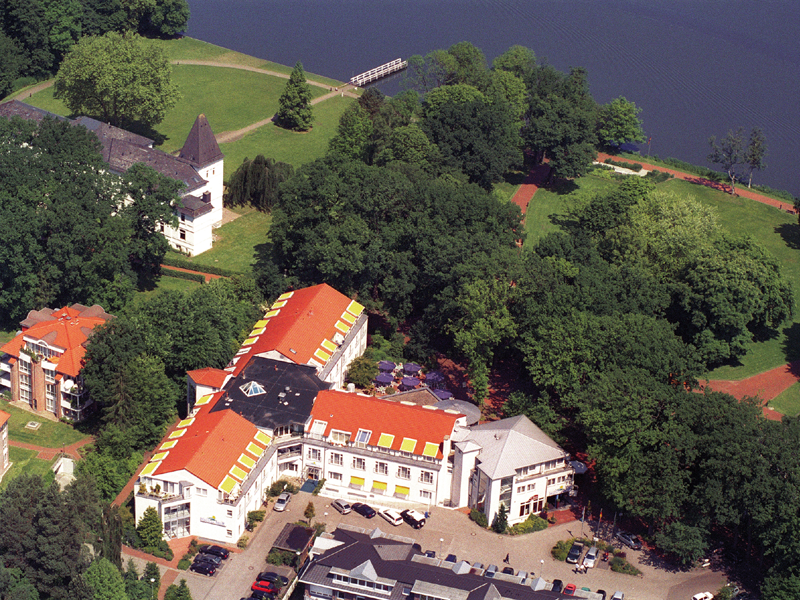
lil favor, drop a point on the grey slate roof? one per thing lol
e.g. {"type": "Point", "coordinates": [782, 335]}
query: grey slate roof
{"type": "Point", "coordinates": [15, 108]}
{"type": "Point", "coordinates": [195, 205]}
{"type": "Point", "coordinates": [509, 444]}
{"type": "Point", "coordinates": [201, 148]}
{"type": "Point", "coordinates": [403, 567]}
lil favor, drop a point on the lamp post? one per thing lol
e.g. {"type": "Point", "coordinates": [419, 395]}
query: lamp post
{"type": "Point", "coordinates": [152, 581]}
{"type": "Point", "coordinates": [541, 573]}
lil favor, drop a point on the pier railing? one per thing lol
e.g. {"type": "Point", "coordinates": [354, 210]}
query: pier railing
{"type": "Point", "coordinates": [394, 66]}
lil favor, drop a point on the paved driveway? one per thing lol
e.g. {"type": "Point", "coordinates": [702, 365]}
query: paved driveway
{"type": "Point", "coordinates": [447, 532]}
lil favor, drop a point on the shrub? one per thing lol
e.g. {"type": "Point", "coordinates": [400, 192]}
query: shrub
{"type": "Point", "coordinates": [184, 563]}
{"type": "Point", "coordinates": [500, 521]}
{"type": "Point", "coordinates": [620, 565]}
{"type": "Point", "coordinates": [255, 516]}
{"type": "Point", "coordinates": [561, 549]}
{"type": "Point", "coordinates": [276, 488]}
{"type": "Point", "coordinates": [161, 551]}
{"type": "Point", "coordinates": [281, 557]}
{"type": "Point", "coordinates": [658, 176]}
{"type": "Point", "coordinates": [362, 371]}
{"type": "Point", "coordinates": [194, 547]}
{"type": "Point", "coordinates": [529, 525]}
{"type": "Point", "coordinates": [242, 543]}
{"type": "Point", "coordinates": [291, 488]}
{"type": "Point", "coordinates": [320, 485]}
{"type": "Point", "coordinates": [479, 517]}
{"type": "Point", "coordinates": [624, 165]}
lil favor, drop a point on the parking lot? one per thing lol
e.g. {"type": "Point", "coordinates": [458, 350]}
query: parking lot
{"type": "Point", "coordinates": [452, 532]}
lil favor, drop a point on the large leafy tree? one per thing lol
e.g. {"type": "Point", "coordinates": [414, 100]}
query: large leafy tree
{"type": "Point", "coordinates": [105, 580]}
{"type": "Point", "coordinates": [353, 137]}
{"type": "Point", "coordinates": [755, 153]}
{"type": "Point", "coordinates": [618, 123]}
{"type": "Point", "coordinates": [13, 60]}
{"type": "Point", "coordinates": [729, 154]}
{"type": "Point", "coordinates": [294, 105]}
{"type": "Point", "coordinates": [256, 183]}
{"type": "Point", "coordinates": [123, 79]}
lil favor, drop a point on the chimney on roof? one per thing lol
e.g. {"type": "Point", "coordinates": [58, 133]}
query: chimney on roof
{"type": "Point", "coordinates": [206, 196]}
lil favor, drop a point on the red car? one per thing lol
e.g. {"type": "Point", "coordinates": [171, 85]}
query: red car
{"type": "Point", "coordinates": [569, 589]}
{"type": "Point", "coordinates": [263, 586]}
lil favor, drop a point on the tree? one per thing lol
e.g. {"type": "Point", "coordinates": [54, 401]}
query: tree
{"type": "Point", "coordinates": [15, 586]}
{"type": "Point", "coordinates": [105, 580]}
{"type": "Point", "coordinates": [256, 183]}
{"type": "Point", "coordinates": [310, 512]}
{"type": "Point", "coordinates": [121, 79]}
{"type": "Point", "coordinates": [617, 123]}
{"type": "Point", "coordinates": [294, 105]}
{"type": "Point", "coordinates": [755, 153]}
{"type": "Point", "coordinates": [152, 577]}
{"type": "Point", "coordinates": [518, 60]}
{"type": "Point", "coordinates": [505, 87]}
{"type": "Point", "coordinates": [500, 521]}
{"type": "Point", "coordinates": [728, 154]}
{"type": "Point", "coordinates": [167, 18]}
{"type": "Point", "coordinates": [354, 134]}
{"type": "Point", "coordinates": [150, 528]}
{"type": "Point", "coordinates": [13, 60]}
{"type": "Point", "coordinates": [686, 542]}
{"type": "Point", "coordinates": [362, 371]}
{"type": "Point", "coordinates": [178, 592]}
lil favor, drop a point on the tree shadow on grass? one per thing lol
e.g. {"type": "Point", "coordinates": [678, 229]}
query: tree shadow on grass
{"type": "Point", "coordinates": [562, 187]}
{"type": "Point", "coordinates": [515, 177]}
{"type": "Point", "coordinates": [791, 345]}
{"type": "Point", "coordinates": [790, 232]}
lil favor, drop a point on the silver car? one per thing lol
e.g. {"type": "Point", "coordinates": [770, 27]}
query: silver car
{"type": "Point", "coordinates": [282, 501]}
{"type": "Point", "coordinates": [591, 557]}
{"type": "Point", "coordinates": [342, 506]}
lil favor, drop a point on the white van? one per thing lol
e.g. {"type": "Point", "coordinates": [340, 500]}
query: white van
{"type": "Point", "coordinates": [392, 516]}
{"type": "Point", "coordinates": [590, 559]}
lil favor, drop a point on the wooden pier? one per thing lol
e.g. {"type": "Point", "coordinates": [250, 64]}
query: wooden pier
{"type": "Point", "coordinates": [394, 66]}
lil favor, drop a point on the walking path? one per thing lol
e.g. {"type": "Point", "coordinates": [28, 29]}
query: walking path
{"type": "Point", "coordinates": [50, 453]}
{"type": "Point", "coordinates": [208, 276]}
{"type": "Point", "coordinates": [766, 386]}
{"type": "Point", "coordinates": [533, 181]}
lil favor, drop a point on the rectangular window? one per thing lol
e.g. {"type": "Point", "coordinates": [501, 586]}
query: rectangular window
{"type": "Point", "coordinates": [229, 533]}
{"type": "Point", "coordinates": [525, 509]}
{"type": "Point", "coordinates": [230, 513]}
{"type": "Point", "coordinates": [360, 464]}
{"type": "Point", "coordinates": [336, 459]}
{"type": "Point", "coordinates": [183, 234]}
{"type": "Point", "coordinates": [362, 438]}
{"type": "Point", "coordinates": [49, 375]}
{"type": "Point", "coordinates": [531, 486]}
{"type": "Point", "coordinates": [340, 437]}
{"type": "Point", "coordinates": [426, 477]}
{"type": "Point", "coordinates": [425, 494]}
{"type": "Point", "coordinates": [25, 367]}
{"type": "Point", "coordinates": [202, 492]}
{"type": "Point", "coordinates": [183, 217]}
{"type": "Point", "coordinates": [314, 454]}
{"type": "Point", "coordinates": [382, 468]}
{"type": "Point", "coordinates": [551, 481]}
{"type": "Point", "coordinates": [404, 472]}
{"type": "Point", "coordinates": [520, 489]}
{"type": "Point", "coordinates": [335, 476]}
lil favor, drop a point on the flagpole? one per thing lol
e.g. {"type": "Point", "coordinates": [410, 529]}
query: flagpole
{"type": "Point", "coordinates": [650, 139]}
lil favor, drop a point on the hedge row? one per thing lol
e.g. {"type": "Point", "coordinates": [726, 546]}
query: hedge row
{"type": "Point", "coordinates": [182, 275]}
{"type": "Point", "coordinates": [624, 165]}
{"type": "Point", "coordinates": [173, 259]}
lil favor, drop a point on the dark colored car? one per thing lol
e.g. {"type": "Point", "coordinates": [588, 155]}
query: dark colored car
{"type": "Point", "coordinates": [574, 553]}
{"type": "Point", "coordinates": [365, 510]}
{"type": "Point", "coordinates": [557, 585]}
{"type": "Point", "coordinates": [263, 586]}
{"type": "Point", "coordinates": [630, 540]}
{"type": "Point", "coordinates": [216, 550]}
{"type": "Point", "coordinates": [203, 568]}
{"type": "Point", "coordinates": [259, 595]}
{"type": "Point", "coordinates": [274, 578]}
{"type": "Point", "coordinates": [603, 593]}
{"type": "Point", "coordinates": [451, 558]}
{"type": "Point", "coordinates": [413, 518]}
{"type": "Point", "coordinates": [569, 590]}
{"type": "Point", "coordinates": [430, 553]}
{"type": "Point", "coordinates": [208, 558]}
{"type": "Point", "coordinates": [508, 570]}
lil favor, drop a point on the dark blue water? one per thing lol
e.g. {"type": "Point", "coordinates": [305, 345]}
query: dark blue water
{"type": "Point", "coordinates": [696, 67]}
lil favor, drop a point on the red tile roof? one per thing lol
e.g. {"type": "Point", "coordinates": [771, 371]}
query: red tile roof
{"type": "Point", "coordinates": [4, 417]}
{"type": "Point", "coordinates": [208, 376]}
{"type": "Point", "coordinates": [210, 447]}
{"type": "Point", "coordinates": [66, 329]}
{"type": "Point", "coordinates": [351, 412]}
{"type": "Point", "coordinates": [302, 322]}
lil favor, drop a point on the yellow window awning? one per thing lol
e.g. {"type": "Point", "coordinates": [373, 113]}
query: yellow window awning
{"type": "Point", "coordinates": [408, 445]}
{"type": "Point", "coordinates": [329, 346]}
{"type": "Point", "coordinates": [348, 318]}
{"type": "Point", "coordinates": [431, 449]}
{"type": "Point", "coordinates": [342, 327]}
{"type": "Point", "coordinates": [159, 457]}
{"type": "Point", "coordinates": [168, 445]}
{"type": "Point", "coordinates": [322, 355]}
{"type": "Point", "coordinates": [356, 480]}
{"type": "Point", "coordinates": [279, 304]}
{"type": "Point", "coordinates": [186, 422]}
{"type": "Point", "coordinates": [177, 433]}
{"type": "Point", "coordinates": [228, 484]}
{"type": "Point", "coordinates": [247, 461]}
{"type": "Point", "coordinates": [257, 331]}
{"type": "Point", "coordinates": [286, 296]}
{"type": "Point", "coordinates": [379, 485]}
{"type": "Point", "coordinates": [261, 323]}
{"type": "Point", "coordinates": [254, 450]}
{"type": "Point", "coordinates": [385, 441]}
{"type": "Point", "coordinates": [149, 469]}
{"type": "Point", "coordinates": [263, 438]}
{"type": "Point", "coordinates": [240, 474]}
{"type": "Point", "coordinates": [203, 400]}
{"type": "Point", "coordinates": [355, 308]}
{"type": "Point", "coordinates": [402, 490]}
{"type": "Point", "coordinates": [272, 313]}
{"type": "Point", "coordinates": [250, 341]}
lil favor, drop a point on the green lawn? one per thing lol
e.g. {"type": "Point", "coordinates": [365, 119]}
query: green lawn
{"type": "Point", "coordinates": [167, 283]}
{"type": "Point", "coordinates": [788, 403]}
{"type": "Point", "coordinates": [547, 206]}
{"type": "Point", "coordinates": [288, 146]}
{"type": "Point", "coordinates": [236, 248]}
{"type": "Point", "coordinates": [6, 335]}
{"type": "Point", "coordinates": [25, 461]}
{"type": "Point", "coordinates": [51, 434]}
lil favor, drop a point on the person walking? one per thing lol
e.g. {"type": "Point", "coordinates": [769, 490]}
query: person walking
{"type": "Point", "coordinates": [506, 559]}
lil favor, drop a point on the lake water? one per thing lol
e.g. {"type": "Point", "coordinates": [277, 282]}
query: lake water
{"type": "Point", "coordinates": [696, 67]}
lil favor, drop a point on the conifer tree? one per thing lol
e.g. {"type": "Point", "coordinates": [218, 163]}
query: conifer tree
{"type": "Point", "coordinates": [150, 528]}
{"type": "Point", "coordinates": [105, 580]}
{"type": "Point", "coordinates": [294, 110]}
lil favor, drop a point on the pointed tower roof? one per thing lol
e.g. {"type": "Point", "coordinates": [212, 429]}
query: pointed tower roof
{"type": "Point", "coordinates": [201, 146]}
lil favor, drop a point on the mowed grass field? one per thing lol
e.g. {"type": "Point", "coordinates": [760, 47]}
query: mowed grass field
{"type": "Point", "coordinates": [25, 461]}
{"type": "Point", "coordinates": [50, 434]}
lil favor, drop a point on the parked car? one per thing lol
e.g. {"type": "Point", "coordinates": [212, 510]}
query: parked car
{"type": "Point", "coordinates": [282, 501]}
{"type": "Point", "coordinates": [630, 540]}
{"type": "Point", "coordinates": [451, 558]}
{"type": "Point", "coordinates": [430, 553]}
{"type": "Point", "coordinates": [209, 558]}
{"type": "Point", "coordinates": [413, 518]}
{"type": "Point", "coordinates": [259, 595]}
{"type": "Point", "coordinates": [275, 579]}
{"type": "Point", "coordinates": [569, 589]}
{"type": "Point", "coordinates": [365, 510]}
{"type": "Point", "coordinates": [264, 586]}
{"type": "Point", "coordinates": [574, 553]}
{"type": "Point", "coordinates": [216, 550]}
{"type": "Point", "coordinates": [558, 585]}
{"type": "Point", "coordinates": [591, 557]}
{"type": "Point", "coordinates": [618, 596]}
{"type": "Point", "coordinates": [602, 594]}
{"type": "Point", "coordinates": [203, 568]}
{"type": "Point", "coordinates": [490, 571]}
{"type": "Point", "coordinates": [508, 570]}
{"type": "Point", "coordinates": [342, 506]}
{"type": "Point", "coordinates": [702, 596]}
{"type": "Point", "coordinates": [392, 516]}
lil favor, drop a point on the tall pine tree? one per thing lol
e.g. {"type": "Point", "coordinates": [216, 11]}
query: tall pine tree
{"type": "Point", "coordinates": [294, 110]}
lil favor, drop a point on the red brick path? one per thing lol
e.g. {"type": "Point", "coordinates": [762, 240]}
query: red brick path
{"type": "Point", "coordinates": [533, 181]}
{"type": "Point", "coordinates": [766, 386]}
{"type": "Point", "coordinates": [208, 276]}
{"type": "Point", "coordinates": [51, 453]}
